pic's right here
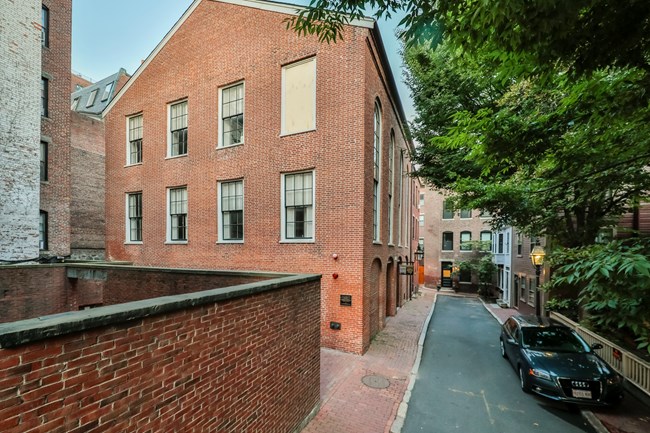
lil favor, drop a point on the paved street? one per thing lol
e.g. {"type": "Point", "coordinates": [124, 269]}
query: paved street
{"type": "Point", "coordinates": [464, 385]}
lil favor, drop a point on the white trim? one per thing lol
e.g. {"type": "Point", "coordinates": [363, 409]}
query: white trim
{"type": "Point", "coordinates": [368, 23]}
{"type": "Point", "coordinates": [220, 120]}
{"type": "Point", "coordinates": [169, 155]}
{"type": "Point", "coordinates": [128, 139]}
{"type": "Point", "coordinates": [283, 131]}
{"type": "Point", "coordinates": [168, 234]}
{"type": "Point", "coordinates": [127, 225]}
{"type": "Point", "coordinates": [220, 239]}
{"type": "Point", "coordinates": [377, 151]}
{"type": "Point", "coordinates": [283, 238]}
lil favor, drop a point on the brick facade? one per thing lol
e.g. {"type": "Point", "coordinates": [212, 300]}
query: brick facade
{"type": "Point", "coordinates": [20, 58]}
{"type": "Point", "coordinates": [199, 57]}
{"type": "Point", "coordinates": [87, 187]}
{"type": "Point", "coordinates": [56, 194]}
{"type": "Point", "coordinates": [235, 361]}
{"type": "Point", "coordinates": [434, 225]}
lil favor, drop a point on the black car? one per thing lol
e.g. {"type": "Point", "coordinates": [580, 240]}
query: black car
{"type": "Point", "coordinates": [552, 360]}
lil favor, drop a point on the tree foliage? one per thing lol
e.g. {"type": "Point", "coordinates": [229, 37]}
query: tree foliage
{"type": "Point", "coordinates": [525, 35]}
{"type": "Point", "coordinates": [614, 284]}
{"type": "Point", "coordinates": [558, 156]}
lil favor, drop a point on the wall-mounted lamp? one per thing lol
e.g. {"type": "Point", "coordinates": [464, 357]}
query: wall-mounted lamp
{"type": "Point", "coordinates": [335, 256]}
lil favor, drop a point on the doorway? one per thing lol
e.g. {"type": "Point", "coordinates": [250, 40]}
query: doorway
{"type": "Point", "coordinates": [445, 277]}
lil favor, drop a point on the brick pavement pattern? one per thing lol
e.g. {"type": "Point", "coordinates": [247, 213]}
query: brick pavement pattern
{"type": "Point", "coordinates": [349, 406]}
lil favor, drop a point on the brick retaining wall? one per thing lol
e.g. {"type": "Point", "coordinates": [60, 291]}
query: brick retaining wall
{"type": "Point", "coordinates": [237, 359]}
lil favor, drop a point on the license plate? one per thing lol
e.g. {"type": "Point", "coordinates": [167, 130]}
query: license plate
{"type": "Point", "coordinates": [578, 393]}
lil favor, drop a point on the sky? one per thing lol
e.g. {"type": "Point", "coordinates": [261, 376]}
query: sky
{"type": "Point", "coordinates": [111, 34]}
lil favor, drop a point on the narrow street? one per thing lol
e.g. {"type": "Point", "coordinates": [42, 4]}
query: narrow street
{"type": "Point", "coordinates": [464, 385]}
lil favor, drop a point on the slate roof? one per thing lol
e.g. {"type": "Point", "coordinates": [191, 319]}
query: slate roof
{"type": "Point", "coordinates": [103, 90]}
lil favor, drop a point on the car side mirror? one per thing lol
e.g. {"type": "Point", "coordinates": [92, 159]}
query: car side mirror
{"type": "Point", "coordinates": [596, 346]}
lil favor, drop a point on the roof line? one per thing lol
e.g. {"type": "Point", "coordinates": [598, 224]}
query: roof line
{"type": "Point", "coordinates": [272, 6]}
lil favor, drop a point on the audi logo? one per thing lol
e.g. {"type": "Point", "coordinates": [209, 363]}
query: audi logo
{"type": "Point", "coordinates": [579, 384]}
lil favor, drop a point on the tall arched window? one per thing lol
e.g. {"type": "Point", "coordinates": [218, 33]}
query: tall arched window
{"type": "Point", "coordinates": [376, 174]}
{"type": "Point", "coordinates": [391, 171]}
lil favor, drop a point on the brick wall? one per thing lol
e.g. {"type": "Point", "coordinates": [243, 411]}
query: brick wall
{"type": "Point", "coordinates": [248, 363]}
{"type": "Point", "coordinates": [87, 187]}
{"type": "Point", "coordinates": [55, 128]}
{"type": "Point", "coordinates": [32, 291]}
{"type": "Point", "coordinates": [200, 58]}
{"type": "Point", "coordinates": [20, 59]}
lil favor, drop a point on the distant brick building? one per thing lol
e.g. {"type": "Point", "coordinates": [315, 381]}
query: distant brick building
{"type": "Point", "coordinates": [87, 228]}
{"type": "Point", "coordinates": [450, 236]}
{"type": "Point", "coordinates": [267, 151]}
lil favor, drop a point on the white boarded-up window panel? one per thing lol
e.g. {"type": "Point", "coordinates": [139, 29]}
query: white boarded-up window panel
{"type": "Point", "coordinates": [299, 97]}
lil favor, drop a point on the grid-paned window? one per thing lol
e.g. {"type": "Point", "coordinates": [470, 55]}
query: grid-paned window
{"type": "Point", "coordinates": [178, 214]}
{"type": "Point", "coordinates": [486, 240]}
{"type": "Point", "coordinates": [232, 210]}
{"type": "Point", "coordinates": [42, 231]}
{"type": "Point", "coordinates": [299, 206]}
{"type": "Point", "coordinates": [376, 171]}
{"type": "Point", "coordinates": [447, 210]}
{"type": "Point", "coordinates": [135, 217]}
{"type": "Point", "coordinates": [43, 157]}
{"type": "Point", "coordinates": [45, 90]}
{"type": "Point", "coordinates": [135, 139]}
{"type": "Point", "coordinates": [465, 241]}
{"type": "Point", "coordinates": [45, 26]}
{"type": "Point", "coordinates": [178, 128]}
{"type": "Point", "coordinates": [91, 98]}
{"type": "Point", "coordinates": [465, 213]}
{"type": "Point", "coordinates": [232, 115]}
{"type": "Point", "coordinates": [447, 241]}
{"type": "Point", "coordinates": [500, 244]}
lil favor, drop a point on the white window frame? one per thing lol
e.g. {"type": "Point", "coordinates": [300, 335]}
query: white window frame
{"type": "Point", "coordinates": [128, 140]}
{"type": "Point", "coordinates": [220, 114]}
{"type": "Point", "coordinates": [220, 213]}
{"type": "Point", "coordinates": [391, 186]}
{"type": "Point", "coordinates": [465, 249]}
{"type": "Point", "coordinates": [127, 224]}
{"type": "Point", "coordinates": [169, 128]}
{"type": "Point", "coordinates": [376, 153]}
{"type": "Point", "coordinates": [169, 217]}
{"type": "Point", "coordinates": [283, 217]}
{"type": "Point", "coordinates": [92, 98]}
{"type": "Point", "coordinates": [283, 130]}
{"type": "Point", "coordinates": [107, 91]}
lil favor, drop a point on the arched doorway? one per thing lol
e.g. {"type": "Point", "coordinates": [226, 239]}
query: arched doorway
{"type": "Point", "coordinates": [390, 293]}
{"type": "Point", "coordinates": [373, 306]}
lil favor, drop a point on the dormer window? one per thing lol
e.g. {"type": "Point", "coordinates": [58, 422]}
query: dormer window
{"type": "Point", "coordinates": [107, 91]}
{"type": "Point", "coordinates": [91, 98]}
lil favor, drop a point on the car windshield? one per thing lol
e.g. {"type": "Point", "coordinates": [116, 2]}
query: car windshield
{"type": "Point", "coordinates": [553, 340]}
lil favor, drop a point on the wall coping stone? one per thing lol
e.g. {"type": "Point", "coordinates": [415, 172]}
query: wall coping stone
{"type": "Point", "coordinates": [20, 332]}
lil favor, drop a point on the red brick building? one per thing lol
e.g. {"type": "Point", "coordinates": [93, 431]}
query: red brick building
{"type": "Point", "coordinates": [267, 150]}
{"type": "Point", "coordinates": [55, 188]}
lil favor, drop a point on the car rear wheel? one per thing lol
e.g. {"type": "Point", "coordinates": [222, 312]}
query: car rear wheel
{"type": "Point", "coordinates": [522, 380]}
{"type": "Point", "coordinates": [503, 348]}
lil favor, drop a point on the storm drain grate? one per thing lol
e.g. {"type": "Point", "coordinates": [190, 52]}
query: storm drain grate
{"type": "Point", "coordinates": [374, 381]}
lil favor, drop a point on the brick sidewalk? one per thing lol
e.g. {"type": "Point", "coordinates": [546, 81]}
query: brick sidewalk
{"type": "Point", "coordinates": [350, 406]}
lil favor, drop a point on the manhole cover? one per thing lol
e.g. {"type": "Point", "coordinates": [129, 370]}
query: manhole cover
{"type": "Point", "coordinates": [374, 381]}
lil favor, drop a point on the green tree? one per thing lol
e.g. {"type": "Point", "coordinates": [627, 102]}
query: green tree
{"type": "Point", "coordinates": [555, 156]}
{"type": "Point", "coordinates": [526, 35]}
{"type": "Point", "coordinates": [614, 282]}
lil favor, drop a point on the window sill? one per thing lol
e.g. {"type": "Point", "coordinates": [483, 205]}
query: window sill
{"type": "Point", "coordinates": [132, 242]}
{"type": "Point", "coordinates": [176, 156]}
{"type": "Point", "coordinates": [289, 134]}
{"type": "Point", "coordinates": [133, 165]}
{"type": "Point", "coordinates": [221, 146]}
{"type": "Point", "coordinates": [377, 243]}
{"type": "Point", "coordinates": [226, 242]}
{"type": "Point", "coordinates": [297, 241]}
{"type": "Point", "coordinates": [175, 242]}
{"type": "Point", "coordinates": [446, 251]}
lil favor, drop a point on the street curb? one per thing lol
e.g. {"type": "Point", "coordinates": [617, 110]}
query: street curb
{"type": "Point", "coordinates": [398, 423]}
{"type": "Point", "coordinates": [587, 415]}
{"type": "Point", "coordinates": [593, 420]}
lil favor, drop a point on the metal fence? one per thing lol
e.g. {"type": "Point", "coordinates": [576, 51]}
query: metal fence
{"type": "Point", "coordinates": [635, 370]}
